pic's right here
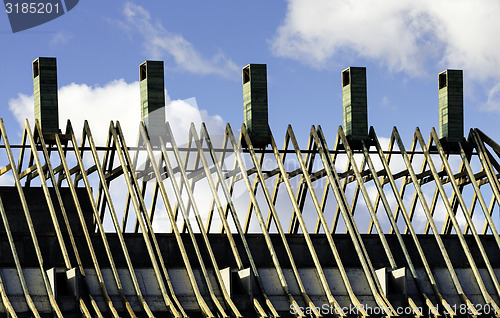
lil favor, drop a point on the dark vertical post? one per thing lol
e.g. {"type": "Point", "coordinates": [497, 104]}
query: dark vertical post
{"type": "Point", "coordinates": [354, 102]}
{"type": "Point", "coordinates": [153, 98]}
{"type": "Point", "coordinates": [451, 105]}
{"type": "Point", "coordinates": [45, 94]}
{"type": "Point", "coordinates": [255, 104]}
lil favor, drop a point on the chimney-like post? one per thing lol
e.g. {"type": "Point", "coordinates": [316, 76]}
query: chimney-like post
{"type": "Point", "coordinates": [255, 109]}
{"type": "Point", "coordinates": [152, 85]}
{"type": "Point", "coordinates": [45, 94]}
{"type": "Point", "coordinates": [451, 105]}
{"type": "Point", "coordinates": [354, 102]}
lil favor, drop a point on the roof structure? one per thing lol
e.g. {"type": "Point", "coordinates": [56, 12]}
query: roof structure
{"type": "Point", "coordinates": [214, 227]}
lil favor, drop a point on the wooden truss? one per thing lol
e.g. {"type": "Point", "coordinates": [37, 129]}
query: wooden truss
{"type": "Point", "coordinates": [200, 190]}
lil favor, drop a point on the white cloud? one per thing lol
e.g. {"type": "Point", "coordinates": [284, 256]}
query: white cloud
{"type": "Point", "coordinates": [119, 100]}
{"type": "Point", "coordinates": [388, 104]}
{"type": "Point", "coordinates": [116, 100]}
{"type": "Point", "coordinates": [402, 35]}
{"type": "Point", "coordinates": [180, 110]}
{"type": "Point", "coordinates": [159, 42]}
{"type": "Point", "coordinates": [493, 101]}
{"type": "Point", "coordinates": [60, 37]}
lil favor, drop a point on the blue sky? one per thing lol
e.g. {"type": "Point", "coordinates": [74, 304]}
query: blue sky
{"type": "Point", "coordinates": [305, 44]}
